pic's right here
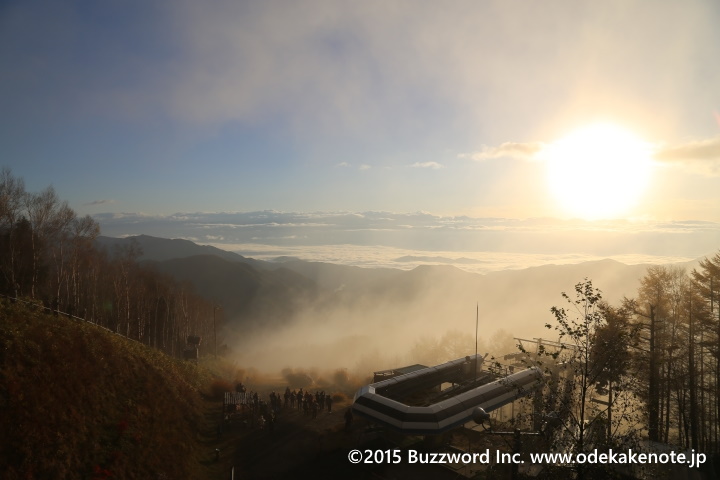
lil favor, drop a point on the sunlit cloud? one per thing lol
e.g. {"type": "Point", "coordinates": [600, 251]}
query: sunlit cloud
{"type": "Point", "coordinates": [343, 165]}
{"type": "Point", "coordinates": [518, 150]}
{"type": "Point", "coordinates": [700, 150]}
{"type": "Point", "coordinates": [364, 166]}
{"type": "Point", "coordinates": [702, 155]}
{"type": "Point", "coordinates": [432, 165]}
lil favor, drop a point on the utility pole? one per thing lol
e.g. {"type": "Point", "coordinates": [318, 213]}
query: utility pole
{"type": "Point", "coordinates": [477, 319]}
{"type": "Point", "coordinates": [215, 307]}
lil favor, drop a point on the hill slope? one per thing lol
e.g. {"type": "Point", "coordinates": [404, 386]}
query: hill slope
{"type": "Point", "coordinates": [159, 249]}
{"type": "Point", "coordinates": [249, 296]}
{"type": "Point", "coordinates": [80, 402]}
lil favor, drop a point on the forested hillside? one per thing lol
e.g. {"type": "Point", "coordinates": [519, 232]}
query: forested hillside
{"type": "Point", "coordinates": [644, 373]}
{"type": "Point", "coordinates": [47, 255]}
{"type": "Point", "coordinates": [677, 361]}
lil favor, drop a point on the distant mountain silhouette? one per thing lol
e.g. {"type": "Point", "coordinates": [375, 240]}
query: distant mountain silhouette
{"type": "Point", "coordinates": [432, 297]}
{"type": "Point", "coordinates": [159, 249]}
{"type": "Point", "coordinates": [247, 295]}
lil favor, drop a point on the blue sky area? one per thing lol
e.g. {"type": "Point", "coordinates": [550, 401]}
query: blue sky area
{"type": "Point", "coordinates": [153, 108]}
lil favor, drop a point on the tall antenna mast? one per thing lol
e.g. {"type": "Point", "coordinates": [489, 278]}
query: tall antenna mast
{"type": "Point", "coordinates": [477, 317]}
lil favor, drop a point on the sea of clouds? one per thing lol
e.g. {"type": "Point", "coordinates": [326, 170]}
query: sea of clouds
{"type": "Point", "coordinates": [405, 240]}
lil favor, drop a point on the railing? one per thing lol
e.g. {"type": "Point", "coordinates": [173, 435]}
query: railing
{"type": "Point", "coordinates": [56, 312]}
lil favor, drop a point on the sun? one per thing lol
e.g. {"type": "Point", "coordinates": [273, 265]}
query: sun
{"type": "Point", "coordinates": [599, 171]}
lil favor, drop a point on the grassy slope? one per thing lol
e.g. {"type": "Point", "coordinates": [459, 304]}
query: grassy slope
{"type": "Point", "coordinates": [77, 401]}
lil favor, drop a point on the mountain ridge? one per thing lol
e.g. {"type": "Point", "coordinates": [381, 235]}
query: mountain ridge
{"type": "Point", "coordinates": [259, 294]}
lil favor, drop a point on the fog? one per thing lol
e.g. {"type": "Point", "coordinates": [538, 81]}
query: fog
{"type": "Point", "coordinates": [375, 321]}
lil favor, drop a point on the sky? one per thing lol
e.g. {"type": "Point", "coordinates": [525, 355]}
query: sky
{"type": "Point", "coordinates": [493, 114]}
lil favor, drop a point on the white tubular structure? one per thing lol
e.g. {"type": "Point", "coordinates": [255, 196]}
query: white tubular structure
{"type": "Point", "coordinates": [372, 401]}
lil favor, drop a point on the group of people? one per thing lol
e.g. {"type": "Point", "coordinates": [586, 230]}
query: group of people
{"type": "Point", "coordinates": [264, 414]}
{"type": "Point", "coordinates": [250, 408]}
{"type": "Point", "coordinates": [308, 403]}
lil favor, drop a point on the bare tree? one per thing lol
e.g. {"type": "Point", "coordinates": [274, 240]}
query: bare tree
{"type": "Point", "coordinates": [12, 197]}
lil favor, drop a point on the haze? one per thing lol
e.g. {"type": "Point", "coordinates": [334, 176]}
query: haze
{"type": "Point", "coordinates": [378, 135]}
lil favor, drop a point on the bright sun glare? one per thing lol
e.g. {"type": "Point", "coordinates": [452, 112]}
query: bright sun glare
{"type": "Point", "coordinates": [599, 171]}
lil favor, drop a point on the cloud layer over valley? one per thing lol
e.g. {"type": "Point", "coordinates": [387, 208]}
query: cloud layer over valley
{"type": "Point", "coordinates": [384, 239]}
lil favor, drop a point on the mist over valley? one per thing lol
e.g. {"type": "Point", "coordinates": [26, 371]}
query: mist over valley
{"type": "Point", "coordinates": [203, 205]}
{"type": "Point", "coordinates": [317, 315]}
